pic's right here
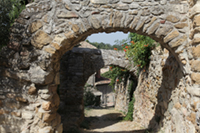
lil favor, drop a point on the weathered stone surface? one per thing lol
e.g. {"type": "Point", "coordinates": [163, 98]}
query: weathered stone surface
{"type": "Point", "coordinates": [153, 28]}
{"type": "Point", "coordinates": [163, 31]}
{"type": "Point", "coordinates": [27, 115]}
{"type": "Point", "coordinates": [196, 51]}
{"type": "Point", "coordinates": [193, 32]}
{"type": "Point", "coordinates": [32, 90]}
{"type": "Point", "coordinates": [59, 129]}
{"type": "Point", "coordinates": [49, 49]}
{"type": "Point", "coordinates": [178, 41]}
{"type": "Point", "coordinates": [172, 18]}
{"type": "Point", "coordinates": [117, 19]}
{"type": "Point", "coordinates": [149, 24]}
{"type": "Point", "coordinates": [56, 101]}
{"type": "Point", "coordinates": [99, 1]}
{"type": "Point", "coordinates": [195, 65]}
{"type": "Point", "coordinates": [196, 77]}
{"type": "Point", "coordinates": [46, 106]}
{"type": "Point", "coordinates": [181, 25]}
{"type": "Point", "coordinates": [95, 22]}
{"type": "Point", "coordinates": [128, 20]}
{"type": "Point", "coordinates": [68, 7]}
{"type": "Point", "coordinates": [40, 39]}
{"type": "Point", "coordinates": [122, 7]}
{"type": "Point", "coordinates": [134, 23]}
{"type": "Point", "coordinates": [17, 114]}
{"type": "Point", "coordinates": [35, 26]}
{"type": "Point", "coordinates": [47, 129]}
{"type": "Point", "coordinates": [70, 35]}
{"type": "Point", "coordinates": [145, 12]}
{"type": "Point", "coordinates": [69, 14]}
{"type": "Point", "coordinates": [49, 117]}
{"type": "Point", "coordinates": [196, 21]}
{"type": "Point", "coordinates": [157, 10]}
{"type": "Point", "coordinates": [75, 28]}
{"type": "Point", "coordinates": [37, 75]}
{"type": "Point", "coordinates": [196, 39]}
{"type": "Point", "coordinates": [127, 1]}
{"type": "Point", "coordinates": [171, 36]}
{"type": "Point", "coordinates": [134, 12]}
{"type": "Point", "coordinates": [1, 103]}
{"type": "Point", "coordinates": [134, 5]}
{"type": "Point", "coordinates": [21, 99]}
{"type": "Point", "coordinates": [69, 22]}
{"type": "Point", "coordinates": [140, 24]}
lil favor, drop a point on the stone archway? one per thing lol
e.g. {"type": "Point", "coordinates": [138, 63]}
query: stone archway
{"type": "Point", "coordinates": [77, 66]}
{"type": "Point", "coordinates": [46, 29]}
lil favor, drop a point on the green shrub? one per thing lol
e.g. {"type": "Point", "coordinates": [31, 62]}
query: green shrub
{"type": "Point", "coordinates": [9, 11]}
{"type": "Point", "coordinates": [117, 74]}
{"type": "Point", "coordinates": [90, 98]}
{"type": "Point", "coordinates": [139, 49]}
{"type": "Point", "coordinates": [129, 115]}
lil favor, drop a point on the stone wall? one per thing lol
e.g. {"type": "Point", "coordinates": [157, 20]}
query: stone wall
{"type": "Point", "coordinates": [163, 98]}
{"type": "Point", "coordinates": [77, 66]}
{"type": "Point", "coordinates": [123, 94]}
{"type": "Point", "coordinates": [47, 29]}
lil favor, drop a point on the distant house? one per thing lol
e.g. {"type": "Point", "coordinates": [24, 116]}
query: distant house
{"type": "Point", "coordinates": [103, 89]}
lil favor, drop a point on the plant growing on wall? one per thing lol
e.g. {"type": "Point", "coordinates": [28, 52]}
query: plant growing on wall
{"type": "Point", "coordinates": [116, 74]}
{"type": "Point", "coordinates": [139, 49]}
{"type": "Point", "coordinates": [9, 11]}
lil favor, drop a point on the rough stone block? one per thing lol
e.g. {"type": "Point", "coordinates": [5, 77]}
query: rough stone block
{"type": "Point", "coordinates": [196, 51]}
{"type": "Point", "coordinates": [122, 7]}
{"type": "Point", "coordinates": [181, 25]}
{"type": "Point", "coordinates": [149, 24]}
{"type": "Point", "coordinates": [196, 21]}
{"type": "Point", "coordinates": [172, 18]}
{"type": "Point", "coordinates": [127, 1]}
{"type": "Point", "coordinates": [67, 15]}
{"type": "Point", "coordinates": [195, 65]}
{"type": "Point", "coordinates": [171, 36]}
{"type": "Point", "coordinates": [47, 117]}
{"type": "Point", "coordinates": [178, 41]}
{"type": "Point", "coordinates": [95, 22]}
{"type": "Point", "coordinates": [99, 1]}
{"type": "Point", "coordinates": [47, 129]}
{"type": "Point", "coordinates": [164, 30]}
{"type": "Point", "coordinates": [117, 19]}
{"type": "Point", "coordinates": [27, 115]}
{"type": "Point", "coordinates": [35, 26]}
{"type": "Point", "coordinates": [153, 28]}
{"type": "Point", "coordinates": [196, 77]}
{"type": "Point", "coordinates": [40, 39]}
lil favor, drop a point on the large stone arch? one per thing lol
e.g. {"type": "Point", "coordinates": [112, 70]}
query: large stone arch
{"type": "Point", "coordinates": [46, 29]}
{"type": "Point", "coordinates": [77, 65]}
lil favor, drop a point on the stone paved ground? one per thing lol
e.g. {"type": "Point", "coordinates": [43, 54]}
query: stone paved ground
{"type": "Point", "coordinates": [109, 121]}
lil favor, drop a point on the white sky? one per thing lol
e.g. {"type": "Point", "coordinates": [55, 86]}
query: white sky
{"type": "Point", "coordinates": [107, 38]}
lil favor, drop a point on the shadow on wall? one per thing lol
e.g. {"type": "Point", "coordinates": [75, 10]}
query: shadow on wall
{"type": "Point", "coordinates": [134, 131]}
{"type": "Point", "coordinates": [76, 67]}
{"type": "Point", "coordinates": [172, 74]}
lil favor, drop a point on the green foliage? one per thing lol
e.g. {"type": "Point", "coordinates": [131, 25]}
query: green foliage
{"type": "Point", "coordinates": [139, 49]}
{"type": "Point", "coordinates": [89, 97]}
{"type": "Point", "coordinates": [129, 115]}
{"type": "Point", "coordinates": [9, 11]}
{"type": "Point", "coordinates": [116, 74]}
